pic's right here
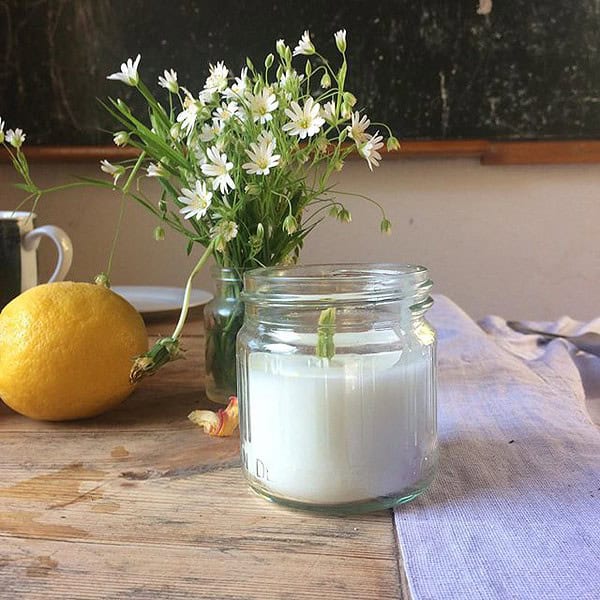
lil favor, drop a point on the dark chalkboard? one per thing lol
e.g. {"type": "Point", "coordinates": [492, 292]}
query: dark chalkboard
{"type": "Point", "coordinates": [434, 69]}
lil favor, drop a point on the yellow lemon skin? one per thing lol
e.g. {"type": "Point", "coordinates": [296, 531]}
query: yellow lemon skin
{"type": "Point", "coordinates": [66, 350]}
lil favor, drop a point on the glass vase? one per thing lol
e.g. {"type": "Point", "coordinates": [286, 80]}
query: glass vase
{"type": "Point", "coordinates": [337, 392]}
{"type": "Point", "coordinates": [223, 318]}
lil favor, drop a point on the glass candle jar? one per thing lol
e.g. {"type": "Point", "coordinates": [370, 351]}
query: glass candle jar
{"type": "Point", "coordinates": [336, 385]}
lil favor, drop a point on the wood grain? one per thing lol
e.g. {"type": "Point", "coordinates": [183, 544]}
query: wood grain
{"type": "Point", "coordinates": [140, 503]}
{"type": "Point", "coordinates": [487, 151]}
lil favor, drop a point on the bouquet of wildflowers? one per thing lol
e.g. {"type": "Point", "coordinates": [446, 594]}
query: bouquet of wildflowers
{"type": "Point", "coordinates": [243, 165]}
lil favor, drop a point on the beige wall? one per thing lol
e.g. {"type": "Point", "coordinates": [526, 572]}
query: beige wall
{"type": "Point", "coordinates": [518, 241]}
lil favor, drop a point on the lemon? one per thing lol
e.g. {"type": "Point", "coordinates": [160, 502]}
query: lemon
{"type": "Point", "coordinates": [66, 350]}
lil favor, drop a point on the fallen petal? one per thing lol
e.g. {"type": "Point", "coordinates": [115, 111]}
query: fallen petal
{"type": "Point", "coordinates": [222, 423]}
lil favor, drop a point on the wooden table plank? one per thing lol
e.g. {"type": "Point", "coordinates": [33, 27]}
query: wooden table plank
{"type": "Point", "coordinates": [140, 503]}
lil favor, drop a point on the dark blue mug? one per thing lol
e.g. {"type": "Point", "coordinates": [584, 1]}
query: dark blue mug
{"type": "Point", "coordinates": [19, 240]}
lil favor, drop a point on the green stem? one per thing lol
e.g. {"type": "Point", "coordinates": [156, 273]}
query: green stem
{"type": "Point", "coordinates": [188, 290]}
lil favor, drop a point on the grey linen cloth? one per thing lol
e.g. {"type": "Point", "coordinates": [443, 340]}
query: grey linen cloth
{"type": "Point", "coordinates": [514, 511]}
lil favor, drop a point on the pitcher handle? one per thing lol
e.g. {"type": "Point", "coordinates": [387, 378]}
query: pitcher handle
{"type": "Point", "coordinates": [63, 245]}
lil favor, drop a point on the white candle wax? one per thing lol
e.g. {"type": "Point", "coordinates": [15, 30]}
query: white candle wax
{"type": "Point", "coordinates": [330, 432]}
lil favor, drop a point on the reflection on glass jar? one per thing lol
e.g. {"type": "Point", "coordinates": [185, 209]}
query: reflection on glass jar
{"type": "Point", "coordinates": [336, 384]}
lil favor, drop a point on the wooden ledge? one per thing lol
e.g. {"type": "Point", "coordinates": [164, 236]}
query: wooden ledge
{"type": "Point", "coordinates": [488, 152]}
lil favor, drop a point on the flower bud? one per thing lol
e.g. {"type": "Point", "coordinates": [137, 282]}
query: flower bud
{"type": "Point", "coordinates": [308, 68]}
{"type": "Point", "coordinates": [386, 226]}
{"type": "Point", "coordinates": [269, 61]}
{"type": "Point", "coordinates": [290, 225]}
{"type": "Point", "coordinates": [340, 40]}
{"type": "Point", "coordinates": [175, 131]}
{"type": "Point", "coordinates": [102, 279]}
{"type": "Point", "coordinates": [121, 138]}
{"type": "Point", "coordinates": [159, 234]}
{"type": "Point", "coordinates": [345, 216]}
{"type": "Point", "coordinates": [325, 81]}
{"type": "Point", "coordinates": [392, 143]}
{"type": "Point", "coordinates": [349, 99]}
{"type": "Point", "coordinates": [280, 47]}
{"type": "Point", "coordinates": [122, 106]}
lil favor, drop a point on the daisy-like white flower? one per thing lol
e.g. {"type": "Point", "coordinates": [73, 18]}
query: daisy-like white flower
{"type": "Point", "coordinates": [328, 111]}
{"type": "Point", "coordinates": [262, 105]}
{"type": "Point", "coordinates": [218, 167]}
{"type": "Point", "coordinates": [223, 232]}
{"type": "Point", "coordinates": [129, 72]}
{"type": "Point", "coordinates": [369, 150]}
{"type": "Point", "coordinates": [188, 116]}
{"type": "Point", "coordinates": [2, 124]}
{"type": "Point", "coordinates": [340, 40]}
{"type": "Point", "coordinates": [169, 81]}
{"type": "Point", "coordinates": [115, 171]}
{"type": "Point", "coordinates": [261, 155]}
{"type": "Point", "coordinates": [238, 88]}
{"type": "Point", "coordinates": [217, 79]}
{"type": "Point", "coordinates": [357, 130]}
{"type": "Point", "coordinates": [226, 111]}
{"type": "Point", "coordinates": [305, 121]}
{"type": "Point", "coordinates": [121, 138]}
{"type": "Point", "coordinates": [156, 170]}
{"type": "Point", "coordinates": [15, 137]}
{"type": "Point", "coordinates": [305, 46]}
{"type": "Point", "coordinates": [210, 130]}
{"type": "Point", "coordinates": [196, 201]}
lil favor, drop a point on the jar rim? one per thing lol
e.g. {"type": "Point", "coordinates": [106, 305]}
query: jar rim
{"type": "Point", "coordinates": [341, 283]}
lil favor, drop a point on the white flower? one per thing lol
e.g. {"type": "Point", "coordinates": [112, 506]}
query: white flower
{"type": "Point", "coordinates": [262, 105]}
{"type": "Point", "coordinates": [188, 117]}
{"type": "Point", "coordinates": [328, 112]}
{"type": "Point", "coordinates": [15, 138]}
{"type": "Point", "coordinates": [121, 138]}
{"type": "Point", "coordinates": [2, 124]}
{"type": "Point", "coordinates": [223, 232]}
{"type": "Point", "coordinates": [114, 170]}
{"type": "Point", "coordinates": [280, 46]}
{"type": "Point", "coordinates": [156, 170]}
{"type": "Point", "coordinates": [369, 150]}
{"type": "Point", "coordinates": [340, 40]}
{"type": "Point", "coordinates": [226, 111]}
{"type": "Point", "coordinates": [129, 72]}
{"type": "Point", "coordinates": [197, 201]}
{"type": "Point", "coordinates": [169, 81]}
{"type": "Point", "coordinates": [200, 156]}
{"type": "Point", "coordinates": [305, 121]}
{"type": "Point", "coordinates": [357, 130]}
{"type": "Point", "coordinates": [290, 78]}
{"type": "Point", "coordinates": [238, 89]}
{"type": "Point", "coordinates": [217, 80]}
{"type": "Point", "coordinates": [219, 168]}
{"type": "Point", "coordinates": [305, 46]}
{"type": "Point", "coordinates": [261, 156]}
{"type": "Point", "coordinates": [210, 130]}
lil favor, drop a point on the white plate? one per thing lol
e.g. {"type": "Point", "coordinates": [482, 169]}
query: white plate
{"type": "Point", "coordinates": [153, 299]}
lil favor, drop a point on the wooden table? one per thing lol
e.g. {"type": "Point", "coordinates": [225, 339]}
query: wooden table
{"type": "Point", "coordinates": [141, 504]}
